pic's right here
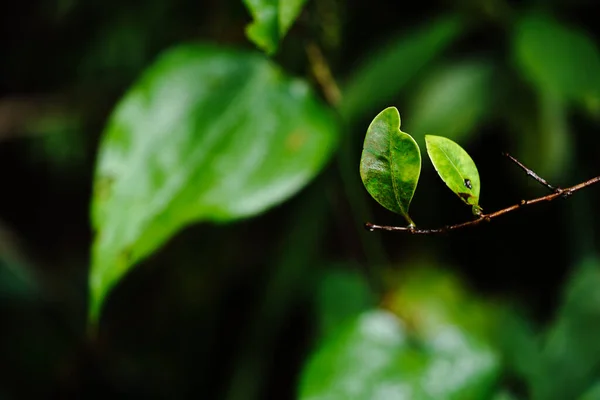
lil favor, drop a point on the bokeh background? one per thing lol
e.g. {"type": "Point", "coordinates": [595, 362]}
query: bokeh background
{"type": "Point", "coordinates": [297, 300]}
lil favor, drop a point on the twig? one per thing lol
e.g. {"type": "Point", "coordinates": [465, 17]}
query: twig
{"type": "Point", "coordinates": [557, 192]}
{"type": "Point", "coordinates": [532, 174]}
{"type": "Point", "coordinates": [322, 72]}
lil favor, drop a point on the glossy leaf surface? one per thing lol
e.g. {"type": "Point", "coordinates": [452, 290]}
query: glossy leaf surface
{"type": "Point", "coordinates": [207, 134]}
{"type": "Point", "coordinates": [390, 164]}
{"type": "Point", "coordinates": [456, 168]}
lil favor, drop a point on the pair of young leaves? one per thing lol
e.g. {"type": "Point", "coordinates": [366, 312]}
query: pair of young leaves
{"type": "Point", "coordinates": [390, 165]}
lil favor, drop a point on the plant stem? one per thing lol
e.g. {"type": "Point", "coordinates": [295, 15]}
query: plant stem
{"type": "Point", "coordinates": [556, 193]}
{"type": "Point", "coordinates": [532, 174]}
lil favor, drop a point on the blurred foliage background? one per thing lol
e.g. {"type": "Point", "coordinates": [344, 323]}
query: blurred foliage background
{"type": "Point", "coordinates": [182, 216]}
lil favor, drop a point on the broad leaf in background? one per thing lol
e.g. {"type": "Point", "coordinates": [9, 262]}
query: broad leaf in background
{"type": "Point", "coordinates": [452, 100]}
{"type": "Point", "coordinates": [593, 393]}
{"type": "Point", "coordinates": [390, 164]}
{"type": "Point", "coordinates": [558, 59]}
{"type": "Point", "coordinates": [363, 360]}
{"type": "Point", "coordinates": [207, 134]}
{"type": "Point", "coordinates": [436, 352]}
{"type": "Point", "coordinates": [271, 21]}
{"type": "Point", "coordinates": [456, 168]}
{"type": "Point", "coordinates": [571, 355]}
{"type": "Point", "coordinates": [388, 70]}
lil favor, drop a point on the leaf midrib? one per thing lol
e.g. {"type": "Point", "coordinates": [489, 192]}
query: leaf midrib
{"type": "Point", "coordinates": [394, 184]}
{"type": "Point", "coordinates": [452, 162]}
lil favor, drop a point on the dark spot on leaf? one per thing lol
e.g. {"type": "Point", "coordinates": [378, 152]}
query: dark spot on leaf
{"type": "Point", "coordinates": [465, 196]}
{"type": "Point", "coordinates": [468, 184]}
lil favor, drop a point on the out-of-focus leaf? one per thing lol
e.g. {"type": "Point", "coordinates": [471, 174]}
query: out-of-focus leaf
{"type": "Point", "coordinates": [504, 395]}
{"type": "Point", "coordinates": [571, 355]}
{"type": "Point", "coordinates": [554, 146]}
{"type": "Point", "coordinates": [271, 21]}
{"type": "Point", "coordinates": [558, 59]}
{"type": "Point", "coordinates": [388, 70]}
{"type": "Point", "coordinates": [16, 282]}
{"type": "Point", "coordinates": [342, 295]}
{"type": "Point", "coordinates": [452, 101]}
{"type": "Point", "coordinates": [437, 351]}
{"type": "Point", "coordinates": [519, 343]}
{"type": "Point", "coordinates": [592, 393]}
{"type": "Point", "coordinates": [390, 164]}
{"type": "Point", "coordinates": [207, 134]}
{"type": "Point", "coordinates": [362, 361]}
{"type": "Point", "coordinates": [456, 168]}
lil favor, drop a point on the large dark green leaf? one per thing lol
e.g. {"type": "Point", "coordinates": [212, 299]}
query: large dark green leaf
{"type": "Point", "coordinates": [456, 168]}
{"type": "Point", "coordinates": [391, 163]}
{"type": "Point", "coordinates": [271, 21]}
{"type": "Point", "coordinates": [207, 134]}
{"type": "Point", "coordinates": [387, 71]}
{"type": "Point", "coordinates": [560, 60]}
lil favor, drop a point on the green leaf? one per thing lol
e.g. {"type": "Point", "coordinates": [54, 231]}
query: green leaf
{"type": "Point", "coordinates": [271, 21]}
{"type": "Point", "coordinates": [390, 164]}
{"type": "Point", "coordinates": [359, 361]}
{"type": "Point", "coordinates": [206, 134]}
{"type": "Point", "coordinates": [456, 168]}
{"type": "Point", "coordinates": [453, 100]}
{"type": "Point", "coordinates": [373, 358]}
{"type": "Point", "coordinates": [571, 353]}
{"type": "Point", "coordinates": [392, 67]}
{"type": "Point", "coordinates": [558, 59]}
{"type": "Point", "coordinates": [593, 393]}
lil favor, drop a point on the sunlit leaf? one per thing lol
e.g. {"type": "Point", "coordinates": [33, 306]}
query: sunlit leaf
{"type": "Point", "coordinates": [271, 21]}
{"type": "Point", "coordinates": [390, 164]}
{"type": "Point", "coordinates": [452, 100]}
{"type": "Point", "coordinates": [561, 60]}
{"type": "Point", "coordinates": [388, 70]}
{"type": "Point", "coordinates": [456, 168]}
{"type": "Point", "coordinates": [207, 134]}
{"type": "Point", "coordinates": [571, 354]}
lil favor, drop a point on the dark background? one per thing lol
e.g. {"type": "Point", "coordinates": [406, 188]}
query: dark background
{"type": "Point", "coordinates": [186, 321]}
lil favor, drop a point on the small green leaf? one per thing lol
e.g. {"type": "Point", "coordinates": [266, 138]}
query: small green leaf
{"type": "Point", "coordinates": [207, 134]}
{"type": "Point", "coordinates": [271, 21]}
{"type": "Point", "coordinates": [390, 164]}
{"type": "Point", "coordinates": [558, 59]}
{"type": "Point", "coordinates": [392, 67]}
{"type": "Point", "coordinates": [456, 168]}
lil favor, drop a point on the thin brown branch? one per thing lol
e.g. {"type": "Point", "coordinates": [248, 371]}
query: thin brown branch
{"type": "Point", "coordinates": [322, 72]}
{"type": "Point", "coordinates": [532, 174]}
{"type": "Point", "coordinates": [558, 192]}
